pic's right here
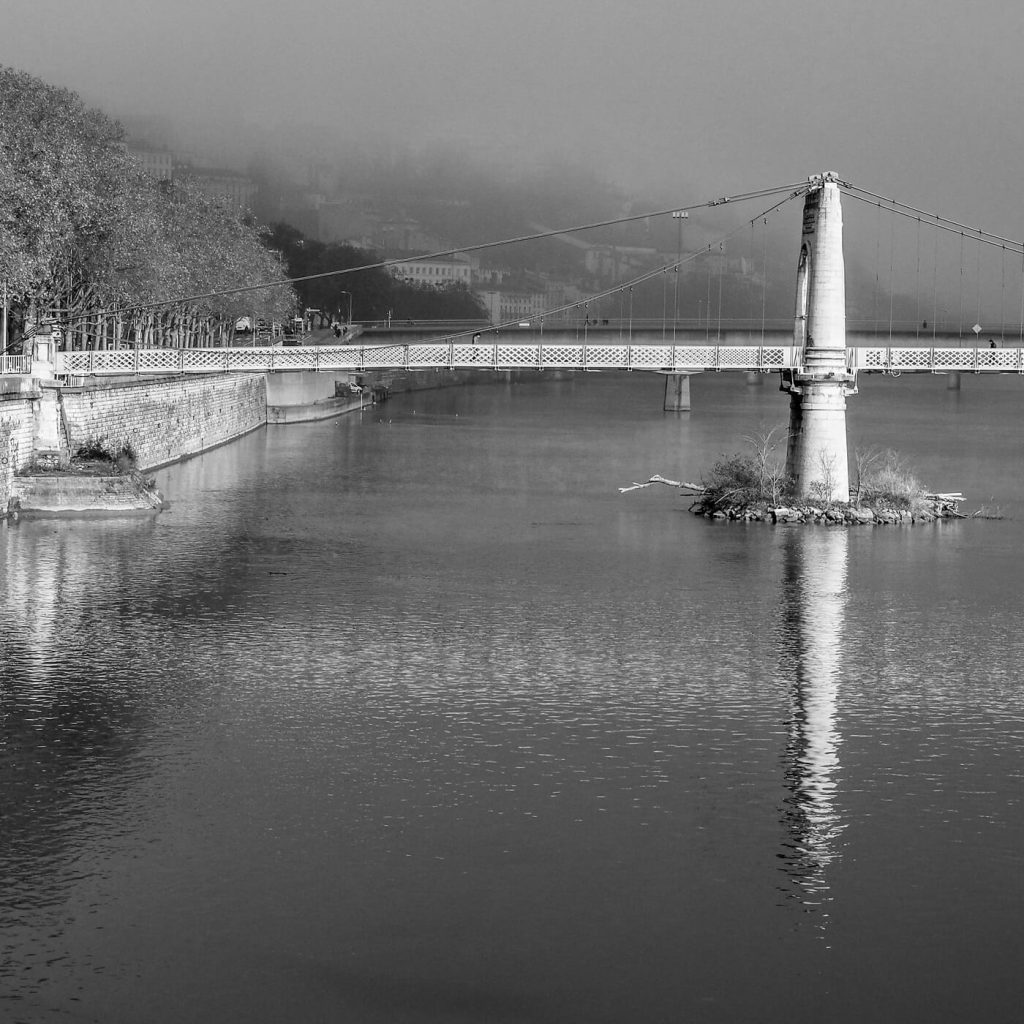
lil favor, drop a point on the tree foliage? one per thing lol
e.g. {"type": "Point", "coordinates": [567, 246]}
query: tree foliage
{"type": "Point", "coordinates": [84, 232]}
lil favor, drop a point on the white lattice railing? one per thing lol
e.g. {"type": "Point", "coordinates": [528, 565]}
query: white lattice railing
{"type": "Point", "coordinates": [430, 355]}
{"type": "Point", "coordinates": [937, 360]}
{"type": "Point", "coordinates": [501, 356]}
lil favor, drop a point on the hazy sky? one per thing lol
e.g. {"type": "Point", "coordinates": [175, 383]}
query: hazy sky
{"type": "Point", "coordinates": [919, 99]}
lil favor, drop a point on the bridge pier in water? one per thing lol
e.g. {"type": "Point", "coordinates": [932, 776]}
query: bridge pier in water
{"type": "Point", "coordinates": [817, 457]}
{"type": "Point", "coordinates": [677, 392]}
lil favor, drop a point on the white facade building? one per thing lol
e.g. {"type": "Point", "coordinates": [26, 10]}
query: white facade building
{"type": "Point", "coordinates": [156, 162]}
{"type": "Point", "coordinates": [437, 271]}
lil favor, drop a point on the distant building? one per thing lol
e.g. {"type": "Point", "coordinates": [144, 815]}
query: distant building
{"type": "Point", "coordinates": [558, 295]}
{"type": "Point", "coordinates": [154, 160]}
{"type": "Point", "coordinates": [437, 270]}
{"type": "Point", "coordinates": [230, 188]}
{"type": "Point", "coordinates": [509, 304]}
{"type": "Point", "coordinates": [341, 220]}
{"type": "Point", "coordinates": [235, 191]}
{"type": "Point", "coordinates": [612, 262]}
{"type": "Point", "coordinates": [407, 235]}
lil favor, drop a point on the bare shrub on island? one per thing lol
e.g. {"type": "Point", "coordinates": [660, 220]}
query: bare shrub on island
{"type": "Point", "coordinates": [885, 481]}
{"type": "Point", "coordinates": [755, 479]}
{"type": "Point", "coordinates": [753, 485]}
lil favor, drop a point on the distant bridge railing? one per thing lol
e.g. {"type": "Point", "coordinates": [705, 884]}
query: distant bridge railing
{"type": "Point", "coordinates": [435, 355]}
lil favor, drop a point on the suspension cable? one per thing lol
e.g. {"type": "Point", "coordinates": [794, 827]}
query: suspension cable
{"type": "Point", "coordinates": [648, 275]}
{"type": "Point", "coordinates": [796, 188]}
{"type": "Point", "coordinates": [892, 272]}
{"type": "Point", "coordinates": [764, 277]}
{"type": "Point", "coordinates": [961, 328]}
{"type": "Point", "coordinates": [917, 284]}
{"type": "Point", "coordinates": [943, 223]}
{"type": "Point", "coordinates": [721, 274]}
{"type": "Point", "coordinates": [878, 263]}
{"type": "Point", "coordinates": [977, 284]}
{"type": "Point", "coordinates": [1002, 298]}
{"type": "Point", "coordinates": [1022, 298]}
{"type": "Point", "coordinates": [707, 301]}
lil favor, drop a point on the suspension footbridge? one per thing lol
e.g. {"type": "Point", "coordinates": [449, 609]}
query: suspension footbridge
{"type": "Point", "coordinates": [555, 352]}
{"type": "Point", "coordinates": [818, 355]}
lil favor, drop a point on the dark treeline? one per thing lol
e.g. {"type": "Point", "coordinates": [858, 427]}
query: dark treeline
{"type": "Point", "coordinates": [370, 294]}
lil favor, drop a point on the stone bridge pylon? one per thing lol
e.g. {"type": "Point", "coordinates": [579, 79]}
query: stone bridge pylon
{"type": "Point", "coordinates": [816, 457]}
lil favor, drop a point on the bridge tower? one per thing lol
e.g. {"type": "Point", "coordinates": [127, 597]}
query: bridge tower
{"type": "Point", "coordinates": [816, 457]}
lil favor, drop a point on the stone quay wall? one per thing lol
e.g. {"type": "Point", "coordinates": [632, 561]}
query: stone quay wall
{"type": "Point", "coordinates": [165, 420]}
{"type": "Point", "coordinates": [17, 426]}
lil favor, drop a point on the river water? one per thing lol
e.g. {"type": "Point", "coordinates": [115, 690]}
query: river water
{"type": "Point", "coordinates": [411, 716]}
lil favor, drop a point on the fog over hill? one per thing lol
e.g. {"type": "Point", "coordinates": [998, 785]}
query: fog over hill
{"type": "Point", "coordinates": [584, 107]}
{"type": "Point", "coordinates": [916, 100]}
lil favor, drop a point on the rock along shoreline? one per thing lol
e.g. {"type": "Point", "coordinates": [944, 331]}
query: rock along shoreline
{"type": "Point", "coordinates": [933, 509]}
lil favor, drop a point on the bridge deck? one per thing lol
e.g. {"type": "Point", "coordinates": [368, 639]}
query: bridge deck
{"type": "Point", "coordinates": [502, 356]}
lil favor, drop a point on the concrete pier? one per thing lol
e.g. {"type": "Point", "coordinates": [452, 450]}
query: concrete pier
{"type": "Point", "coordinates": [307, 395]}
{"type": "Point", "coordinates": [817, 458]}
{"type": "Point", "coordinates": [677, 392]}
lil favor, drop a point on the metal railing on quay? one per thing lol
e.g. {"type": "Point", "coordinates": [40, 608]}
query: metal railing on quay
{"type": "Point", "coordinates": [15, 365]}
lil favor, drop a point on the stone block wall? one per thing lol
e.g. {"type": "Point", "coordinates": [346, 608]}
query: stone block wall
{"type": "Point", "coordinates": [16, 429]}
{"type": "Point", "coordinates": [163, 421]}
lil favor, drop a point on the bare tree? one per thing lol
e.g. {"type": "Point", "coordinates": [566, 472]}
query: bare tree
{"type": "Point", "coordinates": [771, 471]}
{"type": "Point", "coordinates": [824, 487]}
{"type": "Point", "coordinates": [865, 460]}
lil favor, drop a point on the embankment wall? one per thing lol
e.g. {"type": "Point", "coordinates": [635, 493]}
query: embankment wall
{"type": "Point", "coordinates": [169, 419]}
{"type": "Point", "coordinates": [16, 428]}
{"type": "Point", "coordinates": [166, 420]}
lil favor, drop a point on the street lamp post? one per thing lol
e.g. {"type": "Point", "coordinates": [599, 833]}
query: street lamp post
{"type": "Point", "coordinates": [678, 216]}
{"type": "Point", "coordinates": [349, 294]}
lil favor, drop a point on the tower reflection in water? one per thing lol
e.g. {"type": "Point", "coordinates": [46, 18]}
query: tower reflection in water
{"type": "Point", "coordinates": [814, 600]}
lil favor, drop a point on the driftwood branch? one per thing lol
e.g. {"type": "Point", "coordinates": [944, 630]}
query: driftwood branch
{"type": "Point", "coordinates": [658, 479]}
